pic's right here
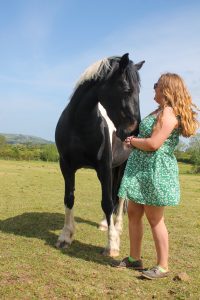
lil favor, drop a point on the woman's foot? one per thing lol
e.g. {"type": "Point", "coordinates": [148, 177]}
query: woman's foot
{"type": "Point", "coordinates": [126, 263]}
{"type": "Point", "coordinates": [155, 273]}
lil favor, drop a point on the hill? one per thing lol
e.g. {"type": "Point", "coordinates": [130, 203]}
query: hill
{"type": "Point", "coordinates": [24, 139]}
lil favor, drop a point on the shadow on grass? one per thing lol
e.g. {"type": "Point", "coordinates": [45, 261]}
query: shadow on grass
{"type": "Point", "coordinates": [41, 226]}
{"type": "Point", "coordinates": [80, 220]}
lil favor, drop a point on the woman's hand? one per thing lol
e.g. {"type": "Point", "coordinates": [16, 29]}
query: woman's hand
{"type": "Point", "coordinates": [128, 141]}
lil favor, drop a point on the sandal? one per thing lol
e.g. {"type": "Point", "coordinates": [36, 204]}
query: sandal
{"type": "Point", "coordinates": [154, 273]}
{"type": "Point", "coordinates": [125, 263]}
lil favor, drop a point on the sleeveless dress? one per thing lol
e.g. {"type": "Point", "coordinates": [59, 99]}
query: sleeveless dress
{"type": "Point", "coordinates": [151, 177]}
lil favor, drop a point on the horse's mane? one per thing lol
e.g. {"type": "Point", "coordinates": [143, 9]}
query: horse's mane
{"type": "Point", "coordinates": [101, 68]}
{"type": "Point", "coordinates": [96, 71]}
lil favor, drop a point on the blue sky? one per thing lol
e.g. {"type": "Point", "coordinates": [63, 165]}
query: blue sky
{"type": "Point", "coordinates": [45, 45]}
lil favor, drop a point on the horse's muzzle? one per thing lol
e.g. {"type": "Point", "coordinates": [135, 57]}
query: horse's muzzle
{"type": "Point", "coordinates": [133, 127]}
{"type": "Point", "coordinates": [123, 132]}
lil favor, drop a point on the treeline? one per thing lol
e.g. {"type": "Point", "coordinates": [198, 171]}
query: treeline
{"type": "Point", "coordinates": [46, 152]}
{"type": "Point", "coordinates": [188, 153]}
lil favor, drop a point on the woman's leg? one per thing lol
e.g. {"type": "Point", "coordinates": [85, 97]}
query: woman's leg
{"type": "Point", "coordinates": [155, 216]}
{"type": "Point", "coordinates": [135, 214]}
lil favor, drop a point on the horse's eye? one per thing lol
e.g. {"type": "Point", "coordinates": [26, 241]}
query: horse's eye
{"type": "Point", "coordinates": [128, 91]}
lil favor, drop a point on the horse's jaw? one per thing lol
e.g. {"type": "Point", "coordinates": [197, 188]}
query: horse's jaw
{"type": "Point", "coordinates": [123, 132]}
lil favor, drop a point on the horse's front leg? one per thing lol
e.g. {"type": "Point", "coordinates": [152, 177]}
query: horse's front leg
{"type": "Point", "coordinates": [103, 225]}
{"type": "Point", "coordinates": [119, 216]}
{"type": "Point", "coordinates": [66, 236]}
{"type": "Point", "coordinates": [112, 247]}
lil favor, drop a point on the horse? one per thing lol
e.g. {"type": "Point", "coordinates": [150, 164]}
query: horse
{"type": "Point", "coordinates": [103, 110]}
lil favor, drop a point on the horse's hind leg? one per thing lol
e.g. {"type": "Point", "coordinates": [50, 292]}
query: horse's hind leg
{"type": "Point", "coordinates": [103, 225]}
{"type": "Point", "coordinates": [119, 216]}
{"type": "Point", "coordinates": [65, 238]}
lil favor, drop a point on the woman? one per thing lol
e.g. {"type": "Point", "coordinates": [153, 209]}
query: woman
{"type": "Point", "coordinates": [150, 180]}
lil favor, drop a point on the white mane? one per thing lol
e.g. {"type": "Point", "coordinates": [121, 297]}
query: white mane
{"type": "Point", "coordinates": [96, 70]}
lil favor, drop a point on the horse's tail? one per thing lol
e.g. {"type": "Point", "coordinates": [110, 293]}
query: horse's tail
{"type": "Point", "coordinates": [117, 174]}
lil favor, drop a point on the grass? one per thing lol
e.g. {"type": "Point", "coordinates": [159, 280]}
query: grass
{"type": "Point", "coordinates": [31, 217]}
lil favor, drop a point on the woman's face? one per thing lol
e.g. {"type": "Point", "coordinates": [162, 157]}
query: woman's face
{"type": "Point", "coordinates": [158, 94]}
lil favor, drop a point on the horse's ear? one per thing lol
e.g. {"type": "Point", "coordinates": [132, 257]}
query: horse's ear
{"type": "Point", "coordinates": [124, 62]}
{"type": "Point", "coordinates": [140, 64]}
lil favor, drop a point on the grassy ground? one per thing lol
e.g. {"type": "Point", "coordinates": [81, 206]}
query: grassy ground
{"type": "Point", "coordinates": [31, 217]}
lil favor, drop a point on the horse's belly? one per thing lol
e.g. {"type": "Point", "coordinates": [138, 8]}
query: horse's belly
{"type": "Point", "coordinates": [78, 157]}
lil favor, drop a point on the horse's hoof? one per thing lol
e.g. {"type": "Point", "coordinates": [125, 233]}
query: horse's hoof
{"type": "Point", "coordinates": [103, 227]}
{"type": "Point", "coordinates": [62, 245]}
{"type": "Point", "coordinates": [111, 253]}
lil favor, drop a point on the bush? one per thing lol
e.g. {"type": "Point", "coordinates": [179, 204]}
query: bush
{"type": "Point", "coordinates": [183, 157]}
{"type": "Point", "coordinates": [2, 141]}
{"type": "Point", "coordinates": [194, 151]}
{"type": "Point", "coordinates": [29, 152]}
{"type": "Point", "coordinates": [49, 153]}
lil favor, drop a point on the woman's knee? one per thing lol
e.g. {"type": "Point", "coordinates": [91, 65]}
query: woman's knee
{"type": "Point", "coordinates": [155, 221]}
{"type": "Point", "coordinates": [135, 211]}
{"type": "Point", "coordinates": [154, 215]}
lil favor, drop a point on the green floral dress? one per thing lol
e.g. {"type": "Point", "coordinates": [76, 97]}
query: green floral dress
{"type": "Point", "coordinates": [151, 177]}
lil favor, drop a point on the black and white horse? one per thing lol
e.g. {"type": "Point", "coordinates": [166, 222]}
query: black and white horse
{"type": "Point", "coordinates": [103, 110]}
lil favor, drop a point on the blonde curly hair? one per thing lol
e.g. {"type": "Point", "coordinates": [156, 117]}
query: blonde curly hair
{"type": "Point", "coordinates": [177, 96]}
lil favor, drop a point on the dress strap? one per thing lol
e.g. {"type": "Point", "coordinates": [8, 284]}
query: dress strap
{"type": "Point", "coordinates": [156, 113]}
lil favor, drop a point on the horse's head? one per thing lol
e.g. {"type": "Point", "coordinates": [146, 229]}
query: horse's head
{"type": "Point", "coordinates": [119, 94]}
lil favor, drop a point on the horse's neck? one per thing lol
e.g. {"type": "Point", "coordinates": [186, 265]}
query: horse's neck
{"type": "Point", "coordinates": [84, 103]}
{"type": "Point", "coordinates": [85, 97]}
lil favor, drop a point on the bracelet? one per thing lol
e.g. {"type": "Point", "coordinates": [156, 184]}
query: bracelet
{"type": "Point", "coordinates": [131, 143]}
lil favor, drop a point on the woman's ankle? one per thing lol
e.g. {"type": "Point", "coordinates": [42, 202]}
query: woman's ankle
{"type": "Point", "coordinates": [135, 257]}
{"type": "Point", "coordinates": [163, 268]}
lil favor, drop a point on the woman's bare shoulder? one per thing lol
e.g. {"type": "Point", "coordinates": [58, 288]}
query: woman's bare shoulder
{"type": "Point", "coordinates": [169, 115]}
{"type": "Point", "coordinates": [168, 111]}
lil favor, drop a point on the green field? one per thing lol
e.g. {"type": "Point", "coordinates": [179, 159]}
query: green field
{"type": "Point", "coordinates": [31, 217]}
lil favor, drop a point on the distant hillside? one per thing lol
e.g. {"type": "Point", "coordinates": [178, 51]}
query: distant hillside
{"type": "Point", "coordinates": [24, 139]}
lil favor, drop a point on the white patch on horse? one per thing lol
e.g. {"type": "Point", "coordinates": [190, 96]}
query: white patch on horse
{"type": "Point", "coordinates": [111, 126]}
{"type": "Point", "coordinates": [66, 236]}
{"type": "Point", "coordinates": [103, 225]}
{"type": "Point", "coordinates": [94, 71]}
{"type": "Point", "coordinates": [119, 217]}
{"type": "Point", "coordinates": [113, 239]}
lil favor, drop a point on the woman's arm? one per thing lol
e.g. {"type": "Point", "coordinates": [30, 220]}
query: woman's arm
{"type": "Point", "coordinates": [161, 132]}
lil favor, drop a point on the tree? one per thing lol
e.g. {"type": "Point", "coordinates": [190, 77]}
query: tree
{"type": "Point", "coordinates": [2, 141]}
{"type": "Point", "coordinates": [49, 153]}
{"type": "Point", "coordinates": [194, 150]}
